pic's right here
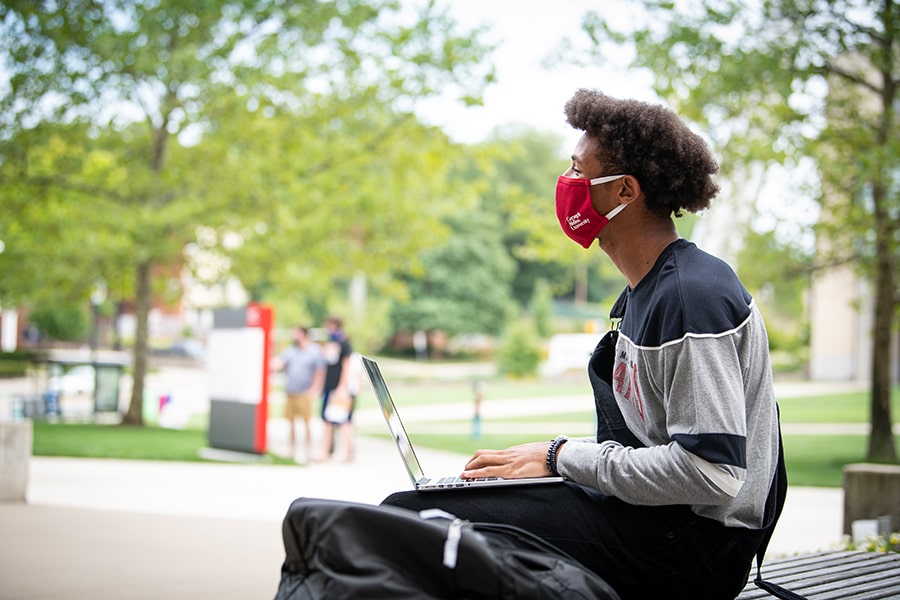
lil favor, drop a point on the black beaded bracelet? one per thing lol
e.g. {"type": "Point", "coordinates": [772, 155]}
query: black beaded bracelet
{"type": "Point", "coordinates": [551, 453]}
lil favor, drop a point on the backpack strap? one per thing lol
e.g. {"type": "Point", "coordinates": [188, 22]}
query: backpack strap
{"type": "Point", "coordinates": [774, 504]}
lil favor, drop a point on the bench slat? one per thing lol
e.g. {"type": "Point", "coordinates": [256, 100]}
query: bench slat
{"type": "Point", "coordinates": [856, 587]}
{"type": "Point", "coordinates": [834, 575]}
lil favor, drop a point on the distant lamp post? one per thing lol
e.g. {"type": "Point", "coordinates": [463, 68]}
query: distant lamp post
{"type": "Point", "coordinates": [98, 297]}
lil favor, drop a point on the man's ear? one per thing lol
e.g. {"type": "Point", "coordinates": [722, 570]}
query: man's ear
{"type": "Point", "coordinates": [629, 189]}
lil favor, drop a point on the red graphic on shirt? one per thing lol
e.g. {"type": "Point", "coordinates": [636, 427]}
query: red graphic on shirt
{"type": "Point", "coordinates": [626, 386]}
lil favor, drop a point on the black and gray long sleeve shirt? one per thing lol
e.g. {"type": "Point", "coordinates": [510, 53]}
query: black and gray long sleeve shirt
{"type": "Point", "coordinates": [693, 380]}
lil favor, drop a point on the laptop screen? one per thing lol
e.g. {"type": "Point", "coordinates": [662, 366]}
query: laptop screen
{"type": "Point", "coordinates": [398, 432]}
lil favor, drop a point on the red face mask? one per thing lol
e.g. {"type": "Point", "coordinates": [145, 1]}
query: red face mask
{"type": "Point", "coordinates": [575, 211]}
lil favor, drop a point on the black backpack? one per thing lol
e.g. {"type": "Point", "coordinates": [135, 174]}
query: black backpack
{"type": "Point", "coordinates": [335, 549]}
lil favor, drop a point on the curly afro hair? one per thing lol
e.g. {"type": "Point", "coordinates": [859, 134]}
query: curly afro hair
{"type": "Point", "coordinates": [672, 163]}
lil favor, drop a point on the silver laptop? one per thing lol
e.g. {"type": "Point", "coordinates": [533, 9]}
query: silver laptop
{"type": "Point", "coordinates": [408, 453]}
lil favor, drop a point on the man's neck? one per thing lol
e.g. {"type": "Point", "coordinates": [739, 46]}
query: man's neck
{"type": "Point", "coordinates": [635, 252]}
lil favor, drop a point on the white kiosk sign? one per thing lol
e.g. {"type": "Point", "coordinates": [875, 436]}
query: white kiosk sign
{"type": "Point", "coordinates": [237, 367]}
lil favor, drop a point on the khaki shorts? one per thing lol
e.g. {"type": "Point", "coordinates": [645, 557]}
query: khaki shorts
{"type": "Point", "coordinates": [298, 405]}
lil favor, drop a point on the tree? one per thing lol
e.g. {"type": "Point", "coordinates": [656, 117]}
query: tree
{"type": "Point", "coordinates": [112, 118]}
{"type": "Point", "coordinates": [55, 252]}
{"type": "Point", "coordinates": [320, 230]}
{"type": "Point", "coordinates": [514, 173]}
{"type": "Point", "coordinates": [465, 286]}
{"type": "Point", "coordinates": [519, 354]}
{"type": "Point", "coordinates": [60, 322]}
{"type": "Point", "coordinates": [792, 81]}
{"type": "Point", "coordinates": [541, 309]}
{"type": "Point", "coordinates": [777, 274]}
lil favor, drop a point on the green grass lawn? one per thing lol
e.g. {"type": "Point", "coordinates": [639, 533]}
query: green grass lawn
{"type": "Point", "coordinates": [813, 460]}
{"type": "Point", "coordinates": [837, 408]}
{"type": "Point", "coordinates": [86, 440]}
{"type": "Point", "coordinates": [818, 460]}
{"type": "Point", "coordinates": [108, 441]}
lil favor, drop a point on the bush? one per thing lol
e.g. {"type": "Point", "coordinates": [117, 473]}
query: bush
{"type": "Point", "coordinates": [876, 543]}
{"type": "Point", "coordinates": [519, 354]}
{"type": "Point", "coordinates": [67, 322]}
{"type": "Point", "coordinates": [15, 364]}
{"type": "Point", "coordinates": [542, 308]}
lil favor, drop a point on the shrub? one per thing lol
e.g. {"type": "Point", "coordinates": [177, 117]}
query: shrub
{"type": "Point", "coordinates": [15, 364]}
{"type": "Point", "coordinates": [519, 354]}
{"type": "Point", "coordinates": [874, 543]}
{"type": "Point", "coordinates": [68, 322]}
{"type": "Point", "coordinates": [542, 308]}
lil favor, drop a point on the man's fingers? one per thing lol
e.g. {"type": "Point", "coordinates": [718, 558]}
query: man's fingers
{"type": "Point", "coordinates": [483, 458]}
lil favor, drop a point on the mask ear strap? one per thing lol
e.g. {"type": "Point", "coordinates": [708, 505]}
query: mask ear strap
{"type": "Point", "coordinates": [615, 211]}
{"type": "Point", "coordinates": [605, 179]}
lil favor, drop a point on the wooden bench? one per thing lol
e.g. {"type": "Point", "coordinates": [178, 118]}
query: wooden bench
{"type": "Point", "coordinates": [839, 574]}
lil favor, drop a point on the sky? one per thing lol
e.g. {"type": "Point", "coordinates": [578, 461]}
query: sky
{"type": "Point", "coordinates": [527, 32]}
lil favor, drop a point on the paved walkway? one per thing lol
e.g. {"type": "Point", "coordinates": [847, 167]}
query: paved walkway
{"type": "Point", "coordinates": [114, 529]}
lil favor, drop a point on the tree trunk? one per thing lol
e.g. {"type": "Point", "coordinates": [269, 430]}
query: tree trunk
{"type": "Point", "coordinates": [144, 289]}
{"type": "Point", "coordinates": [143, 298]}
{"type": "Point", "coordinates": [881, 438]}
{"type": "Point", "coordinates": [581, 284]}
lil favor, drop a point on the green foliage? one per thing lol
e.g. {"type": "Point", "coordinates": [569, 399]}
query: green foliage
{"type": "Point", "coordinates": [519, 354]}
{"type": "Point", "coordinates": [16, 363]}
{"type": "Point", "coordinates": [542, 309]}
{"type": "Point", "coordinates": [876, 543]}
{"type": "Point", "coordinates": [317, 232]}
{"type": "Point", "coordinates": [522, 171]}
{"type": "Point", "coordinates": [366, 326]}
{"type": "Point", "coordinates": [66, 322]}
{"type": "Point", "coordinates": [776, 273]}
{"type": "Point", "coordinates": [139, 138]}
{"type": "Point", "coordinates": [513, 174]}
{"type": "Point", "coordinates": [465, 285]}
{"type": "Point", "coordinates": [56, 243]}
